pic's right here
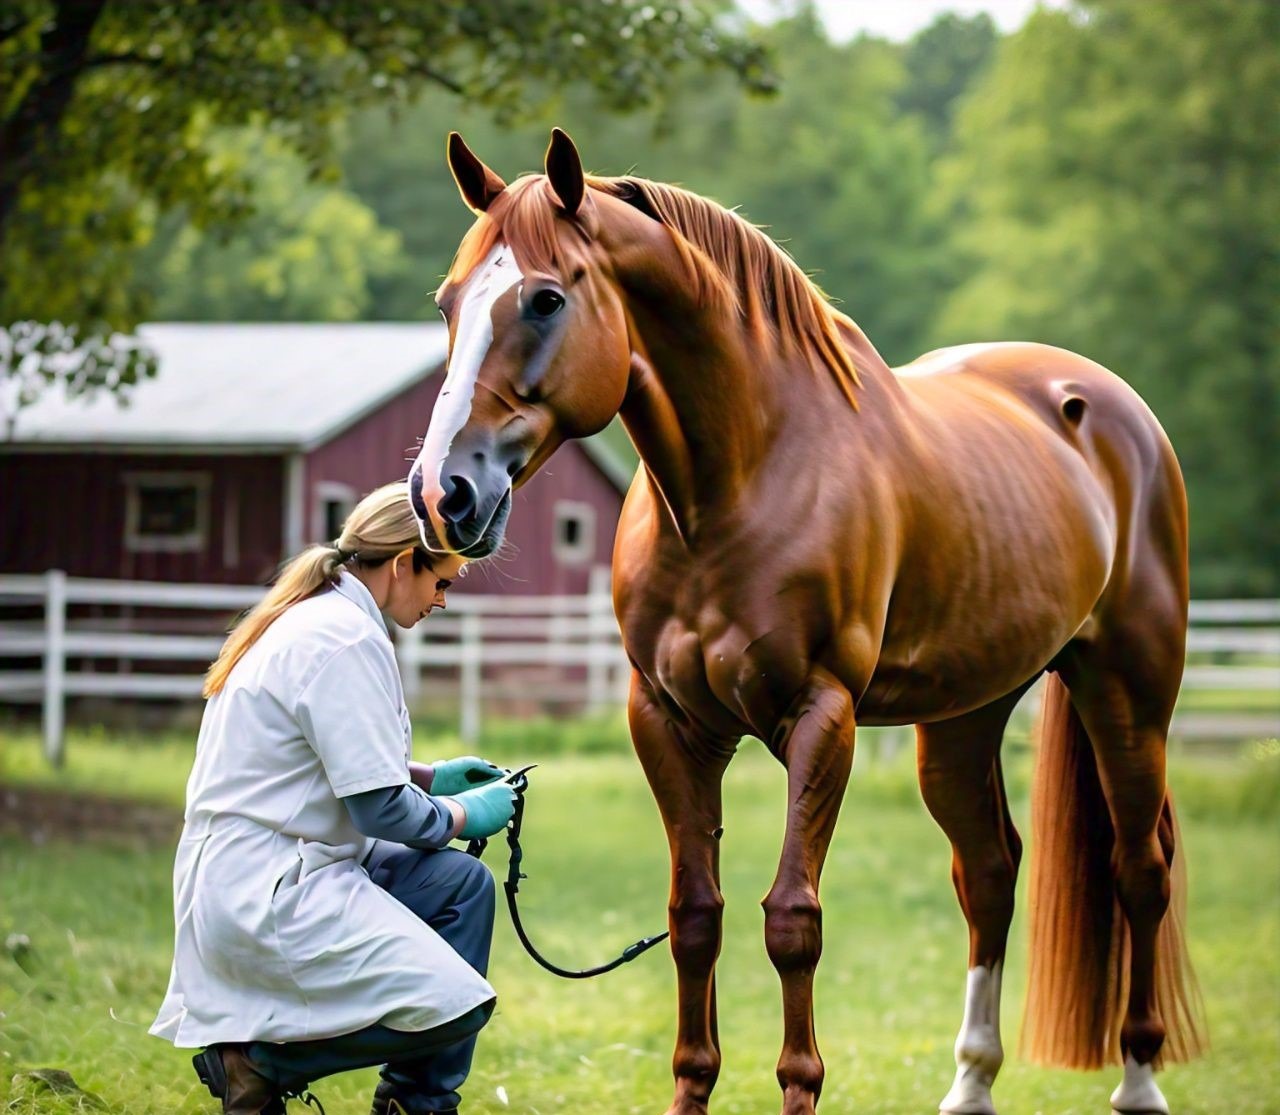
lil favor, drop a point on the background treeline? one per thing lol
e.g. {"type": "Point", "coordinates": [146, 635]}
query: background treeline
{"type": "Point", "coordinates": [1103, 179]}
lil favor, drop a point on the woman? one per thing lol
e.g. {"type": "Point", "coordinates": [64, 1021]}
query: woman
{"type": "Point", "coordinates": [321, 923]}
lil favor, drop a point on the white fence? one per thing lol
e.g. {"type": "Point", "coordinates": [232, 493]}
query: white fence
{"type": "Point", "coordinates": [547, 647]}
{"type": "Point", "coordinates": [474, 636]}
{"type": "Point", "coordinates": [533, 640]}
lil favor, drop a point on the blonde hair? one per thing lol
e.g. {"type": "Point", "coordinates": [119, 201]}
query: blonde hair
{"type": "Point", "coordinates": [381, 526]}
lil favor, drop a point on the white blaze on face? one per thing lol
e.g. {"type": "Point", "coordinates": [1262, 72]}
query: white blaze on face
{"type": "Point", "coordinates": [979, 1053]}
{"type": "Point", "coordinates": [488, 282]}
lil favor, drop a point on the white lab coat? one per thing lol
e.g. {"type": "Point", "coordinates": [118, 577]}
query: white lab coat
{"type": "Point", "coordinates": [280, 933]}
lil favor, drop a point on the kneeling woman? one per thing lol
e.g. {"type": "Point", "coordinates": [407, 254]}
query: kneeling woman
{"type": "Point", "coordinates": [322, 925]}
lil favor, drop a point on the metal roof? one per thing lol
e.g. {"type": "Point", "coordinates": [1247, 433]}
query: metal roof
{"type": "Point", "coordinates": [247, 386]}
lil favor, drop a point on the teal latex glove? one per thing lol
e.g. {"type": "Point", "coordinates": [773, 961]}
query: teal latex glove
{"type": "Point", "coordinates": [488, 809]}
{"type": "Point", "coordinates": [456, 776]}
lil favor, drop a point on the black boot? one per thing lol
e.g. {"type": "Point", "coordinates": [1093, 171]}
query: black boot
{"type": "Point", "coordinates": [390, 1098]}
{"type": "Point", "coordinates": [231, 1077]}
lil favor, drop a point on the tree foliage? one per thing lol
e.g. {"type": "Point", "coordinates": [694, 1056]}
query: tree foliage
{"type": "Point", "coordinates": [308, 251]}
{"type": "Point", "coordinates": [1114, 190]}
{"type": "Point", "coordinates": [110, 110]}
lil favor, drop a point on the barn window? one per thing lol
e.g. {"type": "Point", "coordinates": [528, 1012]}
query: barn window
{"type": "Point", "coordinates": [334, 502]}
{"type": "Point", "coordinates": [166, 511]}
{"type": "Point", "coordinates": [574, 535]}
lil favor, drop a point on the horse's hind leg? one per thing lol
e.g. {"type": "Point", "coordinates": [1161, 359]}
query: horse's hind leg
{"type": "Point", "coordinates": [1124, 690]}
{"type": "Point", "coordinates": [815, 743]}
{"type": "Point", "coordinates": [685, 774]}
{"type": "Point", "coordinates": [963, 788]}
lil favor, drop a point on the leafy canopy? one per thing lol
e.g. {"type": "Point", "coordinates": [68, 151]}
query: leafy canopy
{"type": "Point", "coordinates": [110, 110]}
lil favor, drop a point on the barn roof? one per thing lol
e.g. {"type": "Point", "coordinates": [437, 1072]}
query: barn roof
{"type": "Point", "coordinates": [265, 387]}
{"type": "Point", "coordinates": [258, 388]}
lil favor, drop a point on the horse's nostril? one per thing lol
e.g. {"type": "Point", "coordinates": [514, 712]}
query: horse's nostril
{"type": "Point", "coordinates": [416, 501]}
{"type": "Point", "coordinates": [459, 503]}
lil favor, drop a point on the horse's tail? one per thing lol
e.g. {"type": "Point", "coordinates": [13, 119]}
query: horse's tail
{"type": "Point", "coordinates": [1078, 979]}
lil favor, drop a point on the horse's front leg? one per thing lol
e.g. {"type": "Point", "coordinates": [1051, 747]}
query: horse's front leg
{"type": "Point", "coordinates": [815, 743]}
{"type": "Point", "coordinates": [685, 771]}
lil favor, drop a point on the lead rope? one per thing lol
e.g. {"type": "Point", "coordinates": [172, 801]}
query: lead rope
{"type": "Point", "coordinates": [307, 1097]}
{"type": "Point", "coordinates": [519, 782]}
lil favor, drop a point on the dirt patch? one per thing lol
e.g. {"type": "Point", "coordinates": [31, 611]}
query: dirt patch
{"type": "Point", "coordinates": [41, 814]}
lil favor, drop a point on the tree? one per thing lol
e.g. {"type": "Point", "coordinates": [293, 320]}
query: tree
{"type": "Point", "coordinates": [830, 164]}
{"type": "Point", "coordinates": [1114, 191]}
{"type": "Point", "coordinates": [309, 251]}
{"type": "Point", "coordinates": [943, 62]}
{"type": "Point", "coordinates": [109, 109]}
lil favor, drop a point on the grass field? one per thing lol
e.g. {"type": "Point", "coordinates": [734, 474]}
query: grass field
{"type": "Point", "coordinates": [889, 991]}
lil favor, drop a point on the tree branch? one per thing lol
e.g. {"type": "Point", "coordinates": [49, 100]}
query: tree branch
{"type": "Point", "coordinates": [124, 58]}
{"type": "Point", "coordinates": [64, 44]}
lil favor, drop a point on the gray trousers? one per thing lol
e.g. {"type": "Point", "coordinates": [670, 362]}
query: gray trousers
{"type": "Point", "coordinates": [454, 894]}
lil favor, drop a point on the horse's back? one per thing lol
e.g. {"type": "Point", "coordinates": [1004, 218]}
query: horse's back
{"type": "Point", "coordinates": [1054, 382]}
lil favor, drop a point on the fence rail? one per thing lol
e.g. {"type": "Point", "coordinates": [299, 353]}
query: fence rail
{"type": "Point", "coordinates": [567, 647]}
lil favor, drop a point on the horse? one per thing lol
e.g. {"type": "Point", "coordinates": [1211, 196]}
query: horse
{"type": "Point", "coordinates": [815, 541]}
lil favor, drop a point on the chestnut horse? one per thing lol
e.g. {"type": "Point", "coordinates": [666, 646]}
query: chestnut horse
{"type": "Point", "coordinates": [816, 541]}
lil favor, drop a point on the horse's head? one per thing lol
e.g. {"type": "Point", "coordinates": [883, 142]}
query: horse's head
{"type": "Point", "coordinates": [538, 346]}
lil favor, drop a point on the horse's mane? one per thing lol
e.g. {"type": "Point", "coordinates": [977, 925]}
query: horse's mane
{"type": "Point", "coordinates": [731, 262]}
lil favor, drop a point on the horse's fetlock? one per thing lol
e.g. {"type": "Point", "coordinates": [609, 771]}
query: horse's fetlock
{"type": "Point", "coordinates": [697, 1069]}
{"type": "Point", "coordinates": [980, 1049]}
{"type": "Point", "coordinates": [1142, 1039]}
{"type": "Point", "coordinates": [801, 1070]}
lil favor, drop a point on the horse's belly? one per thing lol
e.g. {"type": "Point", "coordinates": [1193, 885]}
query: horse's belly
{"type": "Point", "coordinates": [947, 670]}
{"type": "Point", "coordinates": [912, 696]}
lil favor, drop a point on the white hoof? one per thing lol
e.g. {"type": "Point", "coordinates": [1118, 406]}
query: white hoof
{"type": "Point", "coordinates": [969, 1095]}
{"type": "Point", "coordinates": [1138, 1093]}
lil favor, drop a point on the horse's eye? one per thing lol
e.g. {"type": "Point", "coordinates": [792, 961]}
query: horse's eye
{"type": "Point", "coordinates": [546, 302]}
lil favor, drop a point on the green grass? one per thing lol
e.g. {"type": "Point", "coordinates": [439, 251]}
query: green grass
{"type": "Point", "coordinates": [889, 991]}
{"type": "Point", "coordinates": [1229, 700]}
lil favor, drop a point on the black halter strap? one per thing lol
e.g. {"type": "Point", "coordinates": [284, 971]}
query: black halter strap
{"type": "Point", "coordinates": [519, 782]}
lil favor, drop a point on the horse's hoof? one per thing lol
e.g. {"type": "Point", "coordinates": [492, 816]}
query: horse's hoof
{"type": "Point", "coordinates": [975, 1104]}
{"type": "Point", "coordinates": [1138, 1093]}
{"type": "Point", "coordinates": [970, 1094]}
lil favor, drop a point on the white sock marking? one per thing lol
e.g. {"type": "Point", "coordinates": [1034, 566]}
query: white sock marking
{"type": "Point", "coordinates": [979, 1053]}
{"type": "Point", "coordinates": [1138, 1093]}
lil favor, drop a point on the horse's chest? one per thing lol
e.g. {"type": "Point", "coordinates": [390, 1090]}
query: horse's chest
{"type": "Point", "coordinates": [721, 670]}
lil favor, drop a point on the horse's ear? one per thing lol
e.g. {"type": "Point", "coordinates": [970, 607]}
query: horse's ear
{"type": "Point", "coordinates": [564, 171]}
{"type": "Point", "coordinates": [476, 182]}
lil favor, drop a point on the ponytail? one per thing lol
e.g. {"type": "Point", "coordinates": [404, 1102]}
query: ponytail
{"type": "Point", "coordinates": [381, 526]}
{"type": "Point", "coordinates": [315, 567]}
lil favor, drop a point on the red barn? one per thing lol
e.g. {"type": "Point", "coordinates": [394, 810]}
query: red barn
{"type": "Point", "coordinates": [253, 440]}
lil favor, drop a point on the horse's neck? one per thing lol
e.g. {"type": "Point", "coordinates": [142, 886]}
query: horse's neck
{"type": "Point", "coordinates": [706, 403]}
{"type": "Point", "coordinates": [697, 414]}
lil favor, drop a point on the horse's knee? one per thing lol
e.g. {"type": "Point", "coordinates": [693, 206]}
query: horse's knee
{"type": "Point", "coordinates": [793, 929]}
{"type": "Point", "coordinates": [695, 928]}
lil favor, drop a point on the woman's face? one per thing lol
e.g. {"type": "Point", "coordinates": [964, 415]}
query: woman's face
{"type": "Point", "coordinates": [412, 596]}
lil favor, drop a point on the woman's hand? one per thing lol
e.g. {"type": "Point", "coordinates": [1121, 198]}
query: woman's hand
{"type": "Point", "coordinates": [488, 809]}
{"type": "Point", "coordinates": [456, 776]}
